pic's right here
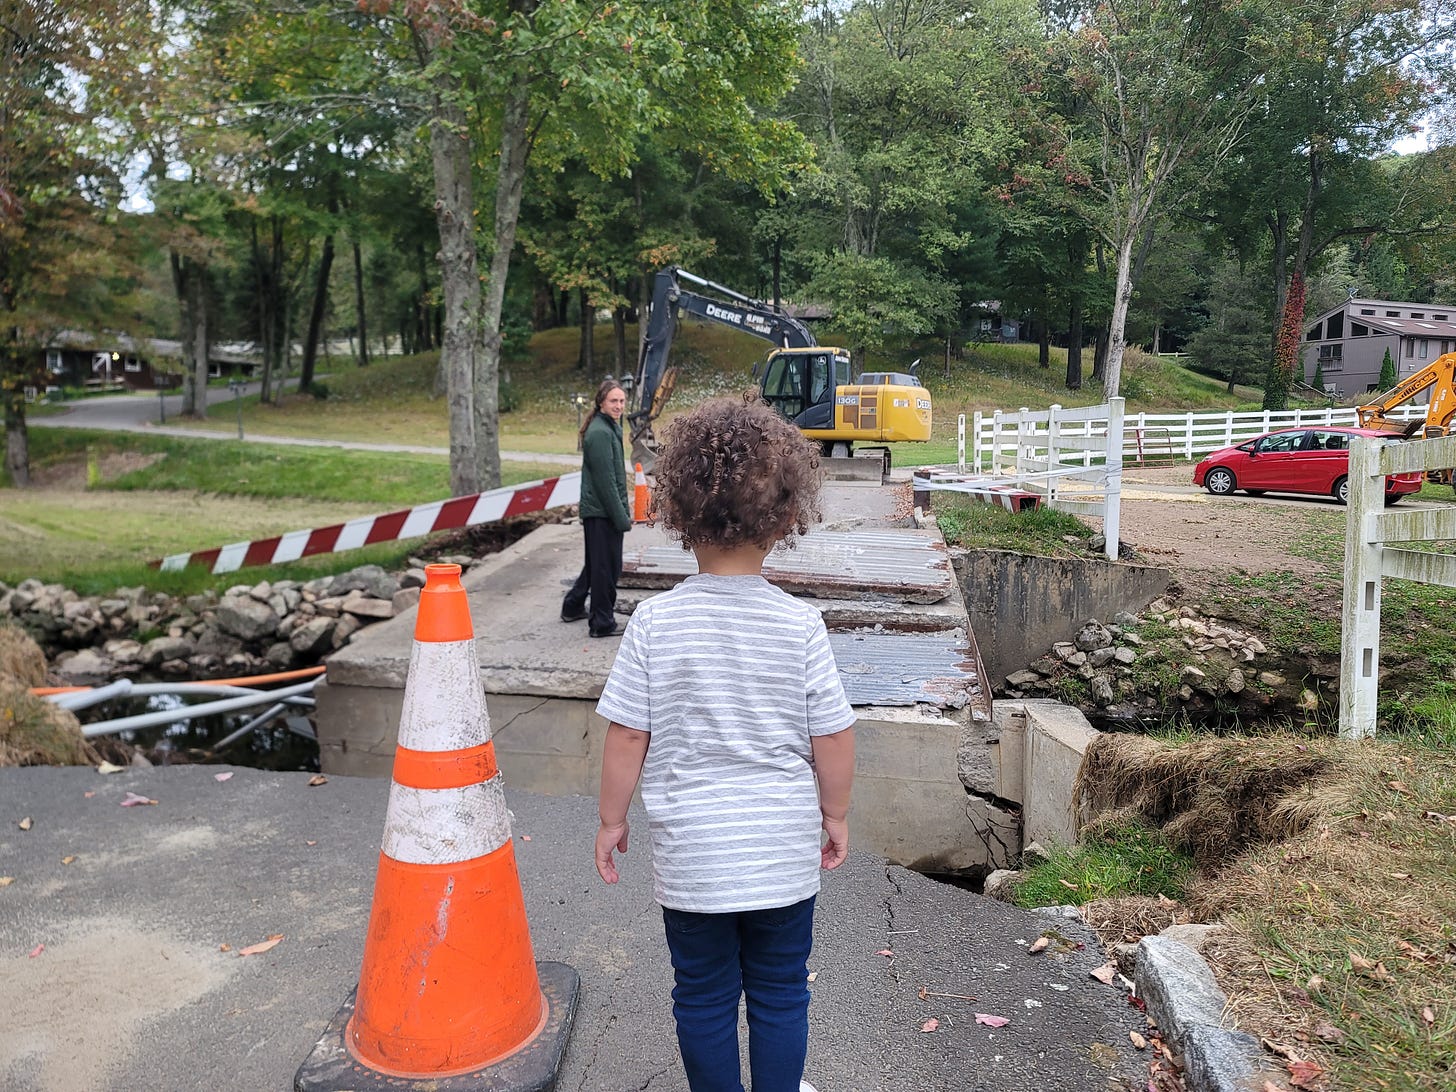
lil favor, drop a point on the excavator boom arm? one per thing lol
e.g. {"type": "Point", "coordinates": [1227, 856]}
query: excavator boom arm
{"type": "Point", "coordinates": [724, 306]}
{"type": "Point", "coordinates": [1439, 374]}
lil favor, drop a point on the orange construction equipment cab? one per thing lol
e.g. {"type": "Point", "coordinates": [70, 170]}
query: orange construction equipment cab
{"type": "Point", "coordinates": [1438, 377]}
{"type": "Point", "coordinates": [809, 383]}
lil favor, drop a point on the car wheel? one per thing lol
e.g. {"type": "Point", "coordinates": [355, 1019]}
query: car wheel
{"type": "Point", "coordinates": [1256, 492]}
{"type": "Point", "coordinates": [1393, 498]}
{"type": "Point", "coordinates": [1220, 481]}
{"type": "Point", "coordinates": [1341, 491]}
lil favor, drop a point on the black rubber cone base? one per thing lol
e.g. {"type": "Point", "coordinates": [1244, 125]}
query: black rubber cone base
{"type": "Point", "coordinates": [331, 1068]}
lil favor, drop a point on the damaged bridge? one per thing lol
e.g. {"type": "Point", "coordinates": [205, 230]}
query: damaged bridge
{"type": "Point", "coordinates": [931, 791]}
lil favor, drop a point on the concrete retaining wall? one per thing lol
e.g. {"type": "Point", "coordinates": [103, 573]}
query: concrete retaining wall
{"type": "Point", "coordinates": [1019, 606]}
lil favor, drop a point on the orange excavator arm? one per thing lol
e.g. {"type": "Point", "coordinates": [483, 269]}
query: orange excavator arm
{"type": "Point", "coordinates": [1439, 377]}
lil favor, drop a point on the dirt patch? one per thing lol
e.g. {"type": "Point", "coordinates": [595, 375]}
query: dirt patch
{"type": "Point", "coordinates": [72, 473]}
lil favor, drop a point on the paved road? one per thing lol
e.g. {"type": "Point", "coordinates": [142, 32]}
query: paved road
{"type": "Point", "coordinates": [132, 988]}
{"type": "Point", "coordinates": [140, 413]}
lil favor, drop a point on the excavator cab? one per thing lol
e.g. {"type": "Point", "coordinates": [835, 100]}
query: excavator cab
{"type": "Point", "coordinates": [800, 383]}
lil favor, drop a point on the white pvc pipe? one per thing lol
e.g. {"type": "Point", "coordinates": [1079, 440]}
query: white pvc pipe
{"type": "Point", "coordinates": [211, 708]}
{"type": "Point", "coordinates": [84, 699]}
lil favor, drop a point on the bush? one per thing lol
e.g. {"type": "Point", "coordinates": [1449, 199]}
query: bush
{"type": "Point", "coordinates": [319, 391]}
{"type": "Point", "coordinates": [509, 397]}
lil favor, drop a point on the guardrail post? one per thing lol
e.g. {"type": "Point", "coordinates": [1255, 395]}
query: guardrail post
{"type": "Point", "coordinates": [1360, 611]}
{"type": "Point", "coordinates": [961, 443]}
{"type": "Point", "coordinates": [978, 421]}
{"type": "Point", "coordinates": [1112, 497]}
{"type": "Point", "coordinates": [1053, 442]}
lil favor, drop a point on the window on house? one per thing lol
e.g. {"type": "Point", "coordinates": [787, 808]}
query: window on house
{"type": "Point", "coordinates": [54, 364]}
{"type": "Point", "coordinates": [1367, 310]}
{"type": "Point", "coordinates": [1410, 347]}
{"type": "Point", "coordinates": [132, 364]}
{"type": "Point", "coordinates": [1441, 318]}
{"type": "Point", "coordinates": [1331, 352]}
{"type": "Point", "coordinates": [1425, 348]}
{"type": "Point", "coordinates": [1359, 329]}
{"type": "Point", "coordinates": [1418, 314]}
{"type": "Point", "coordinates": [1392, 314]}
{"type": "Point", "coordinates": [1336, 325]}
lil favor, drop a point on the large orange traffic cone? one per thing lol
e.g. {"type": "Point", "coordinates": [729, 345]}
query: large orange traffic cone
{"type": "Point", "coordinates": [450, 994]}
{"type": "Point", "coordinates": [640, 497]}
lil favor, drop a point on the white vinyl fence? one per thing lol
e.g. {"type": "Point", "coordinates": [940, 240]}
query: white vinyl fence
{"type": "Point", "coordinates": [1157, 437]}
{"type": "Point", "coordinates": [1369, 528]}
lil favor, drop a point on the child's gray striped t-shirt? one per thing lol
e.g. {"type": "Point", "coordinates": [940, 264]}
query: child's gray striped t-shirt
{"type": "Point", "coordinates": [731, 676]}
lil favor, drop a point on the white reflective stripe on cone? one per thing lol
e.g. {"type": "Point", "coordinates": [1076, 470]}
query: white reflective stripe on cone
{"type": "Point", "coordinates": [446, 826]}
{"type": "Point", "coordinates": [444, 701]}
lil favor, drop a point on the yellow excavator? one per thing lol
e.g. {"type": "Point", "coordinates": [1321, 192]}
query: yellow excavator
{"type": "Point", "coordinates": [1438, 377]}
{"type": "Point", "coordinates": [808, 383]}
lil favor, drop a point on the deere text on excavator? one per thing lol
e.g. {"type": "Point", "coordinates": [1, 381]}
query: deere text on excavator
{"type": "Point", "coordinates": [808, 383]}
{"type": "Point", "coordinates": [1438, 377]}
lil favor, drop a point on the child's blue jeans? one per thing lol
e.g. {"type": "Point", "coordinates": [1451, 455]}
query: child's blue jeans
{"type": "Point", "coordinates": [762, 954]}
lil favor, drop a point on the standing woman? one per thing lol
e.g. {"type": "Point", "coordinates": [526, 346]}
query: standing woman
{"type": "Point", "coordinates": [605, 513]}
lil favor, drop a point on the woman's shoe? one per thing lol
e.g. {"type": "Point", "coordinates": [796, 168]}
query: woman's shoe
{"type": "Point", "coordinates": [615, 631]}
{"type": "Point", "coordinates": [573, 615]}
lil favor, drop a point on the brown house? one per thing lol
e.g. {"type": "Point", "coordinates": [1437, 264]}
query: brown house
{"type": "Point", "coordinates": [120, 362]}
{"type": "Point", "coordinates": [1349, 342]}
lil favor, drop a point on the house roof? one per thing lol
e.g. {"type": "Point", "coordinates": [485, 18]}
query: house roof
{"type": "Point", "coordinates": [1425, 326]}
{"type": "Point", "coordinates": [241, 352]}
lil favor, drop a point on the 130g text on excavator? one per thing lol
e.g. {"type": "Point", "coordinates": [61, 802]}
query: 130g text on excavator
{"type": "Point", "coordinates": [807, 382]}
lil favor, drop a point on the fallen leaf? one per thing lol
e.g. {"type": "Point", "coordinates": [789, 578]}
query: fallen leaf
{"type": "Point", "coordinates": [1104, 973]}
{"type": "Point", "coordinates": [90, 793]}
{"type": "Point", "coordinates": [886, 952]}
{"type": "Point", "coordinates": [262, 946]}
{"type": "Point", "coordinates": [1270, 1086]}
{"type": "Point", "coordinates": [1400, 875]}
{"type": "Point", "coordinates": [1428, 1015]}
{"type": "Point", "coordinates": [1137, 1040]}
{"type": "Point", "coordinates": [68, 860]}
{"type": "Point", "coordinates": [930, 1025]}
{"type": "Point", "coordinates": [1398, 786]}
{"type": "Point", "coordinates": [1328, 1032]}
{"type": "Point", "coordinates": [813, 975]}
{"type": "Point", "coordinates": [310, 843]}
{"type": "Point", "coordinates": [317, 779]}
{"type": "Point", "coordinates": [135, 800]}
{"type": "Point", "coordinates": [991, 1021]}
{"type": "Point", "coordinates": [26, 823]}
{"type": "Point", "coordinates": [1069, 885]}
{"type": "Point", "coordinates": [224, 947]}
{"type": "Point", "coordinates": [222, 776]}
{"type": "Point", "coordinates": [6, 881]}
{"type": "Point", "coordinates": [1315, 984]}
{"type": "Point", "coordinates": [1039, 946]}
{"type": "Point", "coordinates": [109, 767]}
{"type": "Point", "coordinates": [1360, 963]}
{"type": "Point", "coordinates": [1304, 1074]}
{"type": "Point", "coordinates": [525, 837]}
{"type": "Point", "coordinates": [37, 950]}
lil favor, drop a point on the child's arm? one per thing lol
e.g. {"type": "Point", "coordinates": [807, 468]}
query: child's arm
{"type": "Point", "coordinates": [623, 753]}
{"type": "Point", "coordinates": [834, 766]}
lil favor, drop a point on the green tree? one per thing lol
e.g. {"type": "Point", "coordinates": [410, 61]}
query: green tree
{"type": "Point", "coordinates": [1387, 378]}
{"type": "Point", "coordinates": [58, 193]}
{"type": "Point", "coordinates": [1171, 84]}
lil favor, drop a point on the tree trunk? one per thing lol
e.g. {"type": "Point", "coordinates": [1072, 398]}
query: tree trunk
{"type": "Point", "coordinates": [619, 339]}
{"type": "Point", "coordinates": [363, 354]}
{"type": "Point", "coordinates": [17, 440]}
{"type": "Point", "coordinates": [189, 284]}
{"type": "Point", "coordinates": [778, 264]}
{"type": "Point", "coordinates": [316, 315]}
{"type": "Point", "coordinates": [1074, 347]}
{"type": "Point", "coordinates": [586, 358]}
{"type": "Point", "coordinates": [510, 182]}
{"type": "Point", "coordinates": [1121, 298]}
{"type": "Point", "coordinates": [1044, 342]}
{"type": "Point", "coordinates": [450, 152]}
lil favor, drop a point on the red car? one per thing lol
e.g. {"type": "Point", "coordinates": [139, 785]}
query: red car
{"type": "Point", "coordinates": [1294, 460]}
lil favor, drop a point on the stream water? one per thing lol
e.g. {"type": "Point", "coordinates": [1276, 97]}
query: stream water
{"type": "Point", "coordinates": [277, 745]}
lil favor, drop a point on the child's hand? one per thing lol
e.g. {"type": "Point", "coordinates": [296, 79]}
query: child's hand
{"type": "Point", "coordinates": [835, 849]}
{"type": "Point", "coordinates": [609, 838]}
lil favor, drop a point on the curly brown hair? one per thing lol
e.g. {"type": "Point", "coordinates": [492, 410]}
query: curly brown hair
{"type": "Point", "coordinates": [733, 472]}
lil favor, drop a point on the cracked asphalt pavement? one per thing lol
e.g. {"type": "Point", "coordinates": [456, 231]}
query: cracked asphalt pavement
{"type": "Point", "coordinates": [118, 954]}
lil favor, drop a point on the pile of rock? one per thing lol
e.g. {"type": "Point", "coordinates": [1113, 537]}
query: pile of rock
{"type": "Point", "coordinates": [249, 629]}
{"type": "Point", "coordinates": [1194, 659]}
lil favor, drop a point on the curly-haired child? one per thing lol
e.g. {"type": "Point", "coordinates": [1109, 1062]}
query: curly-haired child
{"type": "Point", "coordinates": [726, 701]}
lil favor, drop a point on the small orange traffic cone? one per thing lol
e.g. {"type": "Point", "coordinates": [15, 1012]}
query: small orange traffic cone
{"type": "Point", "coordinates": [450, 994]}
{"type": "Point", "coordinates": [640, 497]}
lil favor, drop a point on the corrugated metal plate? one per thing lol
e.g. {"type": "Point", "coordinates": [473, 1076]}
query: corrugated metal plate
{"type": "Point", "coordinates": [824, 564]}
{"type": "Point", "coordinates": [890, 668]}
